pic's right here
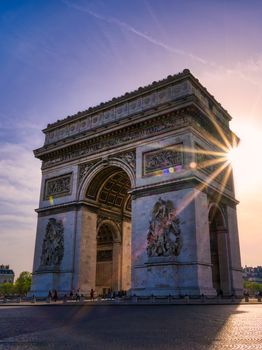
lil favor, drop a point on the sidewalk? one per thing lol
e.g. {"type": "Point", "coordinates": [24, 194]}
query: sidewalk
{"type": "Point", "coordinates": [134, 301]}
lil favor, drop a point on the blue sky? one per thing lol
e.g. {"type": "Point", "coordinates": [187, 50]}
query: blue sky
{"type": "Point", "coordinates": [58, 57]}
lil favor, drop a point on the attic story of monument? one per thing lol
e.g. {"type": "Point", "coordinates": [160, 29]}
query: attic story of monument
{"type": "Point", "coordinates": [137, 195]}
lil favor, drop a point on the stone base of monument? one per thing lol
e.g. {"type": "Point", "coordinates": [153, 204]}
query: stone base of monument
{"type": "Point", "coordinates": [47, 281]}
{"type": "Point", "coordinates": [170, 278]}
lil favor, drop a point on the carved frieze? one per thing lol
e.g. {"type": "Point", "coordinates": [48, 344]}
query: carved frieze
{"type": "Point", "coordinates": [137, 132]}
{"type": "Point", "coordinates": [164, 158]}
{"type": "Point", "coordinates": [120, 111]}
{"type": "Point", "coordinates": [53, 245]}
{"type": "Point", "coordinates": [58, 186]}
{"type": "Point", "coordinates": [164, 234]}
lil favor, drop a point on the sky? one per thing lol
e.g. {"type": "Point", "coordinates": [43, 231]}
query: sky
{"type": "Point", "coordinates": [58, 57]}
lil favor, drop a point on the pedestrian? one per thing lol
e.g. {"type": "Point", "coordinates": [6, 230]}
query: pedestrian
{"type": "Point", "coordinates": [55, 296]}
{"type": "Point", "coordinates": [92, 294]}
{"type": "Point", "coordinates": [71, 294]}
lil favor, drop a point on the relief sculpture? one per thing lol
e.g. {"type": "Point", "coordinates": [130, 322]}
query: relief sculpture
{"type": "Point", "coordinates": [164, 235]}
{"type": "Point", "coordinates": [59, 186]}
{"type": "Point", "coordinates": [129, 158]}
{"type": "Point", "coordinates": [162, 159]}
{"type": "Point", "coordinates": [53, 244]}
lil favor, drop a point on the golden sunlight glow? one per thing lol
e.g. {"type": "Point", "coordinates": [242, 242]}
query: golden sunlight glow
{"type": "Point", "coordinates": [232, 155]}
{"type": "Point", "coordinates": [218, 164]}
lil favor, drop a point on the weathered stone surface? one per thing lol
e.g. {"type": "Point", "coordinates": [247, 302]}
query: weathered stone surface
{"type": "Point", "coordinates": [141, 167]}
{"type": "Point", "coordinates": [53, 245]}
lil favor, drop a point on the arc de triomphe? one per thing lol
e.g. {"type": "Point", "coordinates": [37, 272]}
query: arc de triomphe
{"type": "Point", "coordinates": [137, 195]}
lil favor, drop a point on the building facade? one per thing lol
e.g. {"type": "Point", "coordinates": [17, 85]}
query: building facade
{"type": "Point", "coordinates": [137, 195]}
{"type": "Point", "coordinates": [6, 274]}
{"type": "Point", "coordinates": [252, 274]}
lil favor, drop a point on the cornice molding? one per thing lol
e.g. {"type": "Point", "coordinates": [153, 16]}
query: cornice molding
{"type": "Point", "coordinates": [154, 95]}
{"type": "Point", "coordinates": [112, 140]}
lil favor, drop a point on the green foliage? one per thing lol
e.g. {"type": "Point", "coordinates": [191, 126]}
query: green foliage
{"type": "Point", "coordinates": [6, 289]}
{"type": "Point", "coordinates": [23, 283]}
{"type": "Point", "coordinates": [21, 286]}
{"type": "Point", "coordinates": [252, 287]}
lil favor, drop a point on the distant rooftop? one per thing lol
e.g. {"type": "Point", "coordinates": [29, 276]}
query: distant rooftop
{"type": "Point", "coordinates": [4, 269]}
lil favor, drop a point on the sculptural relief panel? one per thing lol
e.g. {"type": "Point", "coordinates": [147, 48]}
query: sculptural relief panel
{"type": "Point", "coordinates": [167, 158]}
{"type": "Point", "coordinates": [52, 245]}
{"type": "Point", "coordinates": [164, 234]}
{"type": "Point", "coordinates": [58, 186]}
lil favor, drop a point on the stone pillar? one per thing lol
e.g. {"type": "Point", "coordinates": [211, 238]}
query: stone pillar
{"type": "Point", "coordinates": [116, 268]}
{"type": "Point", "coordinates": [224, 265]}
{"type": "Point", "coordinates": [236, 270]}
{"type": "Point", "coordinates": [126, 256]}
{"type": "Point", "coordinates": [203, 244]}
{"type": "Point", "coordinates": [87, 251]}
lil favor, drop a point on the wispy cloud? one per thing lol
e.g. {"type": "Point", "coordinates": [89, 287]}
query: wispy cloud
{"type": "Point", "coordinates": [19, 190]}
{"type": "Point", "coordinates": [137, 32]}
{"type": "Point", "coordinates": [238, 70]}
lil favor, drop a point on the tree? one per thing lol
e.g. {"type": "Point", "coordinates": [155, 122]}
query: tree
{"type": "Point", "coordinates": [6, 288]}
{"type": "Point", "coordinates": [23, 283]}
{"type": "Point", "coordinates": [252, 287]}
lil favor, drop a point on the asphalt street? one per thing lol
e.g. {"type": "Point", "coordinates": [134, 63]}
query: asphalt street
{"type": "Point", "coordinates": [137, 327]}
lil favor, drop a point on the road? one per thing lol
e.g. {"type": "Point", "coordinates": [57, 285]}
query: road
{"type": "Point", "coordinates": [183, 327]}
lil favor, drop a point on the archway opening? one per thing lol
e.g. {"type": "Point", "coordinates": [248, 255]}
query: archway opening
{"type": "Point", "coordinates": [104, 259]}
{"type": "Point", "coordinates": [219, 252]}
{"type": "Point", "coordinates": [109, 195]}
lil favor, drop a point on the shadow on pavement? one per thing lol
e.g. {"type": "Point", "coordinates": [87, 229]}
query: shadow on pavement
{"type": "Point", "coordinates": [113, 327]}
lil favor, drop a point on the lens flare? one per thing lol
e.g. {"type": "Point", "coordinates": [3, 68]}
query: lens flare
{"type": "Point", "coordinates": [232, 155]}
{"type": "Point", "coordinates": [51, 200]}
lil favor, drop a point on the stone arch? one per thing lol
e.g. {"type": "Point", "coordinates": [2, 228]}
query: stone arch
{"type": "Point", "coordinates": [104, 197]}
{"type": "Point", "coordinates": [116, 229]}
{"type": "Point", "coordinates": [219, 250]}
{"type": "Point", "coordinates": [215, 211]}
{"type": "Point", "coordinates": [108, 260]}
{"type": "Point", "coordinates": [96, 167]}
{"type": "Point", "coordinates": [110, 187]}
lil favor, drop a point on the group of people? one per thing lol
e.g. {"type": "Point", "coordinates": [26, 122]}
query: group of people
{"type": "Point", "coordinates": [73, 295]}
{"type": "Point", "coordinates": [112, 294]}
{"type": "Point", "coordinates": [53, 295]}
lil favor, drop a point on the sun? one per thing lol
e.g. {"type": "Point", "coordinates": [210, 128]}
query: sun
{"type": "Point", "coordinates": [232, 155]}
